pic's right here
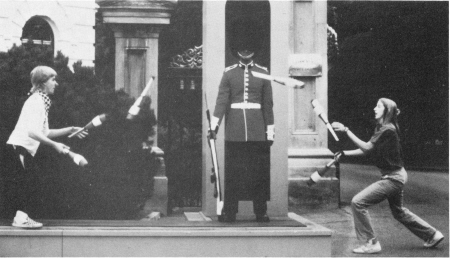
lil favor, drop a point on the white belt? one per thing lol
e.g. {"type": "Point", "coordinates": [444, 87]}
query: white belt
{"type": "Point", "coordinates": [246, 105]}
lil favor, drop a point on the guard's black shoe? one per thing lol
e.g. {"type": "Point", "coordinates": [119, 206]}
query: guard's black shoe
{"type": "Point", "coordinates": [227, 217]}
{"type": "Point", "coordinates": [262, 218]}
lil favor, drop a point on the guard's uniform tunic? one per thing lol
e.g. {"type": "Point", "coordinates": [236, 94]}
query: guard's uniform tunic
{"type": "Point", "coordinates": [247, 104]}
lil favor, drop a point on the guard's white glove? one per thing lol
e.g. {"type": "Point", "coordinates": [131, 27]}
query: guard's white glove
{"type": "Point", "coordinates": [214, 128]}
{"type": "Point", "coordinates": [215, 123]}
{"type": "Point", "coordinates": [270, 133]}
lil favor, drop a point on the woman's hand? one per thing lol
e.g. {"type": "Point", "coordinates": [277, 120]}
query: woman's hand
{"type": "Point", "coordinates": [338, 127]}
{"type": "Point", "coordinates": [364, 147]}
{"type": "Point", "coordinates": [338, 155]}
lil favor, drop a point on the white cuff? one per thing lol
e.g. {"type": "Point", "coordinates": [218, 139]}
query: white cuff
{"type": "Point", "coordinates": [270, 132]}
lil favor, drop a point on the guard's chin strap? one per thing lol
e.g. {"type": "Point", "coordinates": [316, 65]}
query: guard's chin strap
{"type": "Point", "coordinates": [247, 56]}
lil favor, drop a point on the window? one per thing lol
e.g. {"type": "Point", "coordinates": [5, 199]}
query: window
{"type": "Point", "coordinates": [37, 32]}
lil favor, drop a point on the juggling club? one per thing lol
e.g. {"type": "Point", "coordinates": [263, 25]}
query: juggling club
{"type": "Point", "coordinates": [77, 158]}
{"type": "Point", "coordinates": [97, 121]}
{"type": "Point", "coordinates": [136, 107]}
{"type": "Point", "coordinates": [318, 109]}
{"type": "Point", "coordinates": [319, 173]}
{"type": "Point", "coordinates": [286, 81]}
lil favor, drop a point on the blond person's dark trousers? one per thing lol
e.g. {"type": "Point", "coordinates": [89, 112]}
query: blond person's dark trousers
{"type": "Point", "coordinates": [18, 178]}
{"type": "Point", "coordinates": [392, 191]}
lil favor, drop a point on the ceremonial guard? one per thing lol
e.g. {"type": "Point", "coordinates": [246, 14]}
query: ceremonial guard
{"type": "Point", "coordinates": [246, 102]}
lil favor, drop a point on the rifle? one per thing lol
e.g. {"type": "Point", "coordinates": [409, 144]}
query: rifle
{"type": "Point", "coordinates": [215, 177]}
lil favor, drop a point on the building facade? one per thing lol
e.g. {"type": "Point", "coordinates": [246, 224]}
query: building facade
{"type": "Point", "coordinates": [68, 26]}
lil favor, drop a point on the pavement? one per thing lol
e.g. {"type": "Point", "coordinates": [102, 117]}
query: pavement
{"type": "Point", "coordinates": [426, 194]}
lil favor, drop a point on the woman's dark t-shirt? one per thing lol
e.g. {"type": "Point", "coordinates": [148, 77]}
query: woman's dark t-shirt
{"type": "Point", "coordinates": [387, 153]}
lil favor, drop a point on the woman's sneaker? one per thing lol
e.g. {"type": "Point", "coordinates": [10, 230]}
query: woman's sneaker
{"type": "Point", "coordinates": [26, 222]}
{"type": "Point", "coordinates": [435, 240]}
{"type": "Point", "coordinates": [372, 246]}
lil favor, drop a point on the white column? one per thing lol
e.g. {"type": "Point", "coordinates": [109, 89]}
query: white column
{"type": "Point", "coordinates": [213, 67]}
{"type": "Point", "coordinates": [279, 44]}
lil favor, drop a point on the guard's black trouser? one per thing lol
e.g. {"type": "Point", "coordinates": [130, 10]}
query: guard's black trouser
{"type": "Point", "coordinates": [247, 175]}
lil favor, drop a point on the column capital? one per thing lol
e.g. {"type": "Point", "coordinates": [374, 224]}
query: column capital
{"type": "Point", "coordinates": [136, 12]}
{"type": "Point", "coordinates": [135, 30]}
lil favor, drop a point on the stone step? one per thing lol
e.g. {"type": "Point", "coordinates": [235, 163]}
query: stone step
{"type": "Point", "coordinates": [177, 240]}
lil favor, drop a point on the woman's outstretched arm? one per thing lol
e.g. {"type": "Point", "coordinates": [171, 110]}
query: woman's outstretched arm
{"type": "Point", "coordinates": [364, 147]}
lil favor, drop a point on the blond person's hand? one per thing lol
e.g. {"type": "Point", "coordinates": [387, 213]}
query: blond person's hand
{"type": "Point", "coordinates": [338, 127]}
{"type": "Point", "coordinates": [61, 148]}
{"type": "Point", "coordinates": [81, 134]}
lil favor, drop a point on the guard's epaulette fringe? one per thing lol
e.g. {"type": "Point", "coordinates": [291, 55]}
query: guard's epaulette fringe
{"type": "Point", "coordinates": [262, 67]}
{"type": "Point", "coordinates": [230, 67]}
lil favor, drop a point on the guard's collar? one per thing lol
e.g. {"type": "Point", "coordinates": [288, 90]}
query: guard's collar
{"type": "Point", "coordinates": [249, 65]}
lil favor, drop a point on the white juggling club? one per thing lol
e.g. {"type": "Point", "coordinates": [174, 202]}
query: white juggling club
{"type": "Point", "coordinates": [77, 158]}
{"type": "Point", "coordinates": [97, 121]}
{"type": "Point", "coordinates": [286, 81]}
{"type": "Point", "coordinates": [321, 113]}
{"type": "Point", "coordinates": [134, 110]}
{"type": "Point", "coordinates": [319, 174]}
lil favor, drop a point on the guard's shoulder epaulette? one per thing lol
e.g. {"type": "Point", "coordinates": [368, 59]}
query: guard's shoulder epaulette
{"type": "Point", "coordinates": [230, 67]}
{"type": "Point", "coordinates": [262, 67]}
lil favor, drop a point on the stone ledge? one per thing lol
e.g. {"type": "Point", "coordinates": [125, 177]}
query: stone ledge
{"type": "Point", "coordinates": [310, 153]}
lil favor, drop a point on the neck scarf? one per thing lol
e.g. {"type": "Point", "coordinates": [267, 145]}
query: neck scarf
{"type": "Point", "coordinates": [47, 101]}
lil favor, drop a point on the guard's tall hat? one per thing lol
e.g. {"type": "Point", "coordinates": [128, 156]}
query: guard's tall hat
{"type": "Point", "coordinates": [245, 32]}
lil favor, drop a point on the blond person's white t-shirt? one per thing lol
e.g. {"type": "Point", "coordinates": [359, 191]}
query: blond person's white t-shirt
{"type": "Point", "coordinates": [33, 118]}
